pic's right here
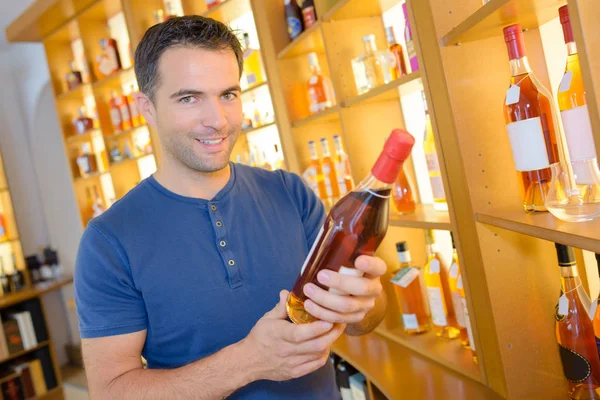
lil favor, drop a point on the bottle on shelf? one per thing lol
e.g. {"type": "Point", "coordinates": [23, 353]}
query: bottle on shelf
{"type": "Point", "coordinates": [329, 172]}
{"type": "Point", "coordinates": [314, 174]}
{"type": "Point", "coordinates": [121, 102]}
{"type": "Point", "coordinates": [410, 292]}
{"type": "Point", "coordinates": [399, 66]}
{"type": "Point", "coordinates": [309, 13]}
{"type": "Point", "coordinates": [3, 230]}
{"type": "Point", "coordinates": [109, 62]}
{"type": "Point", "coordinates": [17, 279]}
{"type": "Point", "coordinates": [253, 65]}
{"type": "Point", "coordinates": [433, 163]}
{"type": "Point", "coordinates": [73, 77]}
{"type": "Point", "coordinates": [115, 152]}
{"type": "Point", "coordinates": [136, 117]}
{"type": "Point", "coordinates": [82, 123]}
{"type": "Point", "coordinates": [4, 279]}
{"type": "Point", "coordinates": [355, 225]}
{"type": "Point", "coordinates": [402, 193]}
{"type": "Point", "coordinates": [128, 149]}
{"type": "Point", "coordinates": [575, 331]}
{"type": "Point", "coordinates": [454, 274]}
{"type": "Point", "coordinates": [320, 89]}
{"type": "Point", "coordinates": [159, 16]}
{"type": "Point", "coordinates": [530, 124]}
{"type": "Point", "coordinates": [343, 375]}
{"type": "Point", "coordinates": [573, 104]}
{"type": "Point", "coordinates": [294, 18]}
{"type": "Point", "coordinates": [342, 167]}
{"type": "Point", "coordinates": [373, 68]}
{"type": "Point", "coordinates": [438, 292]}
{"type": "Point", "coordinates": [115, 111]}
{"type": "Point", "coordinates": [463, 298]}
{"type": "Point", "coordinates": [410, 44]}
{"type": "Point", "coordinates": [87, 161]}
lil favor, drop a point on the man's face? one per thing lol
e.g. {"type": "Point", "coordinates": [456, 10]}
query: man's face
{"type": "Point", "coordinates": [198, 110]}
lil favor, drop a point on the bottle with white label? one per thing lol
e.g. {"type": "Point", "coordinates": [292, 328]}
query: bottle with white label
{"type": "Point", "coordinates": [314, 175]}
{"type": "Point", "coordinates": [329, 172]}
{"type": "Point", "coordinates": [343, 375]}
{"type": "Point", "coordinates": [454, 276]}
{"type": "Point", "coordinates": [433, 163]}
{"type": "Point", "coordinates": [531, 124]}
{"type": "Point", "coordinates": [342, 167]}
{"type": "Point", "coordinates": [411, 294]}
{"type": "Point", "coordinates": [319, 87]}
{"type": "Point", "coordinates": [438, 292]}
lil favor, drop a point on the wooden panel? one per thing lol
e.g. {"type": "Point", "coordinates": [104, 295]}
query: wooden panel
{"type": "Point", "coordinates": [38, 290]}
{"type": "Point", "coordinates": [330, 114]}
{"type": "Point", "coordinates": [125, 176]}
{"type": "Point", "coordinates": [383, 92]}
{"type": "Point", "coordinates": [489, 20]}
{"type": "Point", "coordinates": [401, 374]}
{"type": "Point", "coordinates": [59, 54]}
{"type": "Point", "coordinates": [310, 40]}
{"type": "Point", "coordinates": [139, 16]}
{"type": "Point", "coordinates": [39, 19]}
{"type": "Point", "coordinates": [424, 217]}
{"type": "Point", "coordinates": [351, 9]}
{"type": "Point", "coordinates": [194, 7]}
{"type": "Point", "coordinates": [229, 10]}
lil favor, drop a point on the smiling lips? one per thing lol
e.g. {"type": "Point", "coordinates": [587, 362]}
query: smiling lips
{"type": "Point", "coordinates": [211, 142]}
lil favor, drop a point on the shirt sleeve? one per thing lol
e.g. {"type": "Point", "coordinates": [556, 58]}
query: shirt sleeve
{"type": "Point", "coordinates": [309, 205]}
{"type": "Point", "coordinates": [107, 301]}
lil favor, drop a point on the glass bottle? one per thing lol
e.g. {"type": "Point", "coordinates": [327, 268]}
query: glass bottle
{"type": "Point", "coordinates": [4, 278]}
{"type": "Point", "coordinates": [402, 194]}
{"type": "Point", "coordinates": [17, 279]}
{"type": "Point", "coordinates": [136, 117]}
{"type": "Point", "coordinates": [97, 206]}
{"type": "Point", "coordinates": [410, 44]}
{"type": "Point", "coordinates": [253, 66]}
{"type": "Point", "coordinates": [355, 225]}
{"type": "Point", "coordinates": [320, 89]}
{"type": "Point", "coordinates": [373, 68]}
{"type": "Point", "coordinates": [433, 163]}
{"type": "Point", "coordinates": [399, 66]}
{"type": "Point", "coordinates": [314, 172]}
{"type": "Point", "coordinates": [294, 18]}
{"type": "Point", "coordinates": [115, 112]}
{"type": "Point", "coordinates": [329, 172]}
{"type": "Point", "coordinates": [463, 299]}
{"type": "Point", "coordinates": [82, 123]}
{"type": "Point", "coordinates": [212, 3]}
{"type": "Point", "coordinates": [530, 124]}
{"type": "Point", "coordinates": [309, 14]}
{"type": "Point", "coordinates": [438, 291]}
{"type": "Point", "coordinates": [342, 167]}
{"type": "Point", "coordinates": [410, 292]}
{"type": "Point", "coordinates": [454, 275]}
{"type": "Point", "coordinates": [575, 331]}
{"type": "Point", "coordinates": [109, 62]}
{"type": "Point", "coordinates": [73, 77]}
{"type": "Point", "coordinates": [86, 161]}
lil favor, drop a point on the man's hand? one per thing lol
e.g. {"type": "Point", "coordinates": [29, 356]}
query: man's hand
{"type": "Point", "coordinates": [339, 308]}
{"type": "Point", "coordinates": [280, 350]}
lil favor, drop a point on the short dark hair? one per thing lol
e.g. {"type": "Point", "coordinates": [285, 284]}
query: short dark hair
{"type": "Point", "coordinates": [188, 31]}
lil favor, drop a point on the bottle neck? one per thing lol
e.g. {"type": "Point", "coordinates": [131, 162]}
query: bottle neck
{"type": "Point", "coordinates": [569, 278]}
{"type": "Point", "coordinates": [315, 69]}
{"type": "Point", "coordinates": [338, 147]}
{"type": "Point", "coordinates": [571, 48]}
{"type": "Point", "coordinates": [432, 249]}
{"type": "Point", "coordinates": [325, 148]}
{"type": "Point", "coordinates": [313, 152]}
{"type": "Point", "coordinates": [370, 46]}
{"type": "Point", "coordinates": [404, 257]}
{"type": "Point", "coordinates": [373, 184]}
{"type": "Point", "coordinates": [390, 37]}
{"type": "Point", "coordinates": [520, 66]}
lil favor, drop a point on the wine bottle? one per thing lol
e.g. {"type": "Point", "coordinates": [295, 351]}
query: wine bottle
{"type": "Point", "coordinates": [309, 14]}
{"type": "Point", "coordinates": [438, 292]}
{"type": "Point", "coordinates": [329, 172]}
{"type": "Point", "coordinates": [454, 274]}
{"type": "Point", "coordinates": [319, 88]}
{"type": "Point", "coordinates": [397, 51]}
{"type": "Point", "coordinates": [530, 124]}
{"type": "Point", "coordinates": [572, 104]}
{"type": "Point", "coordinates": [463, 299]}
{"type": "Point", "coordinates": [433, 163]}
{"type": "Point", "coordinates": [355, 225]}
{"type": "Point", "coordinates": [294, 18]}
{"type": "Point", "coordinates": [342, 167]}
{"type": "Point", "coordinates": [410, 291]}
{"type": "Point", "coordinates": [402, 194]}
{"type": "Point", "coordinates": [4, 279]}
{"type": "Point", "coordinates": [575, 331]}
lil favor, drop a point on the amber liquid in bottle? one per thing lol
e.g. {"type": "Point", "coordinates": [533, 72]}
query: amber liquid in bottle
{"type": "Point", "coordinates": [329, 172]}
{"type": "Point", "coordinates": [575, 332]}
{"type": "Point", "coordinates": [355, 225]}
{"type": "Point", "coordinates": [530, 124]}
{"type": "Point", "coordinates": [410, 293]}
{"type": "Point", "coordinates": [454, 275]}
{"type": "Point", "coordinates": [397, 51]}
{"type": "Point", "coordinates": [342, 166]}
{"type": "Point", "coordinates": [315, 170]}
{"type": "Point", "coordinates": [402, 194]}
{"type": "Point", "coordinates": [320, 89]}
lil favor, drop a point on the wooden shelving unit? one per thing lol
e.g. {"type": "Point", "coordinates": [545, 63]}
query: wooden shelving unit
{"type": "Point", "coordinates": [328, 115]}
{"type": "Point", "coordinates": [382, 93]}
{"type": "Point", "coordinates": [308, 41]}
{"type": "Point", "coordinates": [424, 217]}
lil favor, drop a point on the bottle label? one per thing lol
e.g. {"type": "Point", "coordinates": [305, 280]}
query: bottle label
{"type": "Point", "coordinates": [575, 366]}
{"type": "Point", "coordinates": [580, 139]}
{"type": "Point", "coordinates": [294, 27]}
{"type": "Point", "coordinates": [410, 321]}
{"type": "Point", "coordinates": [346, 271]}
{"type": "Point", "coordinates": [125, 112]}
{"type": "Point", "coordinates": [346, 393]}
{"type": "Point", "coordinates": [563, 305]}
{"type": "Point", "coordinates": [458, 309]}
{"type": "Point", "coordinates": [358, 392]}
{"type": "Point", "coordinates": [314, 95]}
{"type": "Point", "coordinates": [434, 267]}
{"type": "Point", "coordinates": [339, 169]}
{"type": "Point", "coordinates": [251, 79]}
{"type": "Point", "coordinates": [437, 187]}
{"type": "Point", "coordinates": [454, 270]}
{"type": "Point", "coordinates": [310, 176]}
{"type": "Point", "coordinates": [405, 276]}
{"type": "Point", "coordinates": [438, 308]}
{"type": "Point", "coordinates": [327, 179]}
{"type": "Point", "coordinates": [312, 249]}
{"type": "Point", "coordinates": [468, 324]}
{"type": "Point", "coordinates": [565, 83]}
{"type": "Point", "coordinates": [115, 117]}
{"type": "Point", "coordinates": [309, 16]}
{"type": "Point", "coordinates": [512, 95]}
{"type": "Point", "coordinates": [528, 144]}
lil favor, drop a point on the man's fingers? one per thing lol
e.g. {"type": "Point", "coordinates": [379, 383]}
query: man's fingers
{"type": "Point", "coordinates": [322, 343]}
{"type": "Point", "coordinates": [279, 312]}
{"type": "Point", "coordinates": [373, 266]}
{"type": "Point", "coordinates": [354, 285]}
{"type": "Point", "coordinates": [310, 366]}
{"type": "Point", "coordinates": [325, 314]}
{"type": "Point", "coordinates": [303, 332]}
{"type": "Point", "coordinates": [336, 302]}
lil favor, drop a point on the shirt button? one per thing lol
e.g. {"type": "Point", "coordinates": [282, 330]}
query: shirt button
{"type": "Point", "coordinates": [222, 243]}
{"type": "Point", "coordinates": [213, 207]}
{"type": "Point", "coordinates": [231, 263]}
{"type": "Point", "coordinates": [219, 224]}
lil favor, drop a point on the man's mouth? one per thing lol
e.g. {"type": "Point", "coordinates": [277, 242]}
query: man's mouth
{"type": "Point", "coordinates": [211, 141]}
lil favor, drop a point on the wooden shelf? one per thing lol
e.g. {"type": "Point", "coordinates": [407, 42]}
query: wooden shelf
{"type": "Point", "coordinates": [83, 137]}
{"type": "Point", "coordinates": [254, 87]}
{"type": "Point", "coordinates": [125, 132]}
{"type": "Point", "coordinates": [382, 93]}
{"type": "Point", "coordinates": [424, 217]}
{"type": "Point", "coordinates": [310, 40]}
{"type": "Point", "coordinates": [584, 235]}
{"type": "Point", "coordinates": [330, 114]}
{"type": "Point", "coordinates": [228, 10]}
{"type": "Point", "coordinates": [399, 373]}
{"type": "Point", "coordinates": [24, 352]}
{"type": "Point", "coordinates": [90, 176]}
{"type": "Point", "coordinates": [130, 160]}
{"type": "Point", "coordinates": [54, 394]}
{"type": "Point", "coordinates": [74, 93]}
{"type": "Point", "coordinates": [489, 20]}
{"type": "Point", "coordinates": [353, 9]}
{"type": "Point", "coordinates": [112, 80]}
{"type": "Point", "coordinates": [10, 241]}
{"type": "Point", "coordinates": [448, 353]}
{"type": "Point", "coordinates": [250, 130]}
{"type": "Point", "coordinates": [38, 290]}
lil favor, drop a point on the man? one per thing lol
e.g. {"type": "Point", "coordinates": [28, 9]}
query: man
{"type": "Point", "coordinates": [186, 268]}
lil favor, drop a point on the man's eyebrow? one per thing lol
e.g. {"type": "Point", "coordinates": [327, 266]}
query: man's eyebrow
{"type": "Point", "coordinates": [186, 92]}
{"type": "Point", "coordinates": [234, 88]}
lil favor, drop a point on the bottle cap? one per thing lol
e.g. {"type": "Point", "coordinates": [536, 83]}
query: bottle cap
{"type": "Point", "coordinates": [513, 36]}
{"type": "Point", "coordinates": [389, 34]}
{"type": "Point", "coordinates": [401, 247]}
{"type": "Point", "coordinates": [396, 150]}
{"type": "Point", "coordinates": [565, 255]}
{"type": "Point", "coordinates": [566, 24]}
{"type": "Point", "coordinates": [313, 59]}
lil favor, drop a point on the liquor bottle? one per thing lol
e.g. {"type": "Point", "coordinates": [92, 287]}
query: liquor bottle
{"type": "Point", "coordinates": [121, 102]}
{"type": "Point", "coordinates": [279, 160]}
{"type": "Point", "coordinates": [342, 167]}
{"type": "Point", "coordinates": [320, 89]}
{"type": "Point", "coordinates": [410, 291]}
{"type": "Point", "coordinates": [82, 123]}
{"type": "Point", "coordinates": [459, 310]}
{"type": "Point", "coordinates": [3, 229]}
{"type": "Point", "coordinates": [355, 225]}
{"type": "Point", "coordinates": [73, 77]}
{"type": "Point", "coordinates": [4, 278]}
{"type": "Point", "coordinates": [115, 152]}
{"type": "Point", "coordinates": [17, 279]}
{"type": "Point", "coordinates": [329, 172]}
{"type": "Point", "coordinates": [343, 375]}
{"type": "Point", "coordinates": [212, 3]}
{"type": "Point", "coordinates": [573, 104]}
{"type": "Point", "coordinates": [402, 194]}
{"type": "Point", "coordinates": [253, 66]}
{"type": "Point", "coordinates": [115, 112]}
{"type": "Point", "coordinates": [397, 51]}
{"type": "Point", "coordinates": [575, 332]}
{"type": "Point", "coordinates": [136, 117]}
{"type": "Point", "coordinates": [86, 161]}
{"type": "Point", "coordinates": [530, 124]}
{"type": "Point", "coordinates": [463, 299]}
{"type": "Point", "coordinates": [109, 62]}
{"type": "Point", "coordinates": [373, 68]}
{"type": "Point", "coordinates": [433, 163]}
{"type": "Point", "coordinates": [309, 13]}
{"type": "Point", "coordinates": [438, 292]}
{"type": "Point", "coordinates": [410, 44]}
{"type": "Point", "coordinates": [294, 18]}
{"type": "Point", "coordinates": [314, 174]}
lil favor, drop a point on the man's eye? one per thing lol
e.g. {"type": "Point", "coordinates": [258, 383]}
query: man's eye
{"type": "Point", "coordinates": [229, 96]}
{"type": "Point", "coordinates": [187, 100]}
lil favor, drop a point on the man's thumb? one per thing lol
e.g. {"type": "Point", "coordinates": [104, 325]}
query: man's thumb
{"type": "Point", "coordinates": [279, 312]}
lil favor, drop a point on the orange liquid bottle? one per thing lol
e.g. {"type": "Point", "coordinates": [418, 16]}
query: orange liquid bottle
{"type": "Point", "coordinates": [136, 117]}
{"type": "Point", "coordinates": [397, 51]}
{"type": "Point", "coordinates": [453, 275]}
{"type": "Point", "coordinates": [115, 112]}
{"type": "Point", "coordinates": [342, 166]}
{"type": "Point", "coordinates": [315, 170]}
{"type": "Point", "coordinates": [329, 172]}
{"type": "Point", "coordinates": [402, 194]}
{"type": "Point", "coordinates": [320, 89]}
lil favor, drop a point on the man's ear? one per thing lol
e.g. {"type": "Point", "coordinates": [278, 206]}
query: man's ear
{"type": "Point", "coordinates": [146, 108]}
